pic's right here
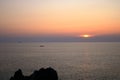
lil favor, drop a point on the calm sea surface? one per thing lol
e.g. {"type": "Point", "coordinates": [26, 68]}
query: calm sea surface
{"type": "Point", "coordinates": [72, 60]}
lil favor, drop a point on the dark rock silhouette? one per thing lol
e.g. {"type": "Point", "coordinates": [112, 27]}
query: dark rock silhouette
{"type": "Point", "coordinates": [42, 74]}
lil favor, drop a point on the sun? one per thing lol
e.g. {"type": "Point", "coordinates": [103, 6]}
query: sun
{"type": "Point", "coordinates": [85, 36]}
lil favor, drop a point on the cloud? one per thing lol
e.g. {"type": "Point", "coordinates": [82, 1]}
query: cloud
{"type": "Point", "coordinates": [103, 38]}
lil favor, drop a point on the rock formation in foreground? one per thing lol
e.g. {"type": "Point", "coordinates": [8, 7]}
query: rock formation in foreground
{"type": "Point", "coordinates": [42, 74]}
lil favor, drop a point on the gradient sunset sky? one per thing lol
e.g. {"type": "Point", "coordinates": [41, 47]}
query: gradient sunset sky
{"type": "Point", "coordinates": [59, 17]}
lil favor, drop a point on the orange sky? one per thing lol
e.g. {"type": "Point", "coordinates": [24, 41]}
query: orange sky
{"type": "Point", "coordinates": [63, 17]}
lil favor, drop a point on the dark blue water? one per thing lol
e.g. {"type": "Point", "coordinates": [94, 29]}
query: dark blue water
{"type": "Point", "coordinates": [73, 61]}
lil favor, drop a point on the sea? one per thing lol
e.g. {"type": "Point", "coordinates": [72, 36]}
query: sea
{"type": "Point", "coordinates": [71, 60]}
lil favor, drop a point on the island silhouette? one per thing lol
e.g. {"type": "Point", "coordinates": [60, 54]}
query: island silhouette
{"type": "Point", "coordinates": [41, 74]}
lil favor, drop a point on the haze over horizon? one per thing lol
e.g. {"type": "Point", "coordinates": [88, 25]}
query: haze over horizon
{"type": "Point", "coordinates": [59, 20]}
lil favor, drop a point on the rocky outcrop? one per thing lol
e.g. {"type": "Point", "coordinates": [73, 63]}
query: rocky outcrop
{"type": "Point", "coordinates": [42, 74]}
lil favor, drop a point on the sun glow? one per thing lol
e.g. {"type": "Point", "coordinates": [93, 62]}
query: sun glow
{"type": "Point", "coordinates": [86, 36]}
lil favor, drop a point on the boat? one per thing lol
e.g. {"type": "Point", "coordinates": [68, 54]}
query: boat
{"type": "Point", "coordinates": [42, 46]}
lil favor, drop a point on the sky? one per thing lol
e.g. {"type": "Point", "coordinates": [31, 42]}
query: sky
{"type": "Point", "coordinates": [59, 18]}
